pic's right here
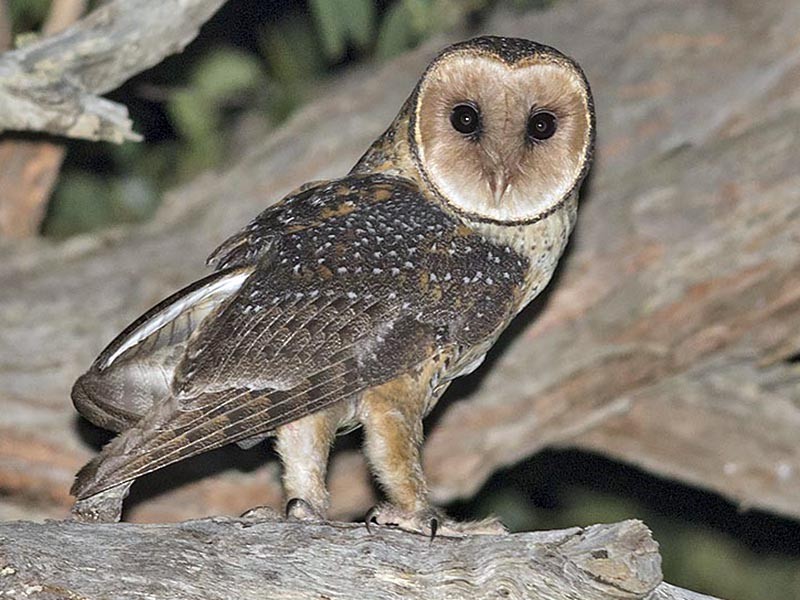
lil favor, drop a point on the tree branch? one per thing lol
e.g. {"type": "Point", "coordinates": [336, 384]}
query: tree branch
{"type": "Point", "coordinates": [52, 85]}
{"type": "Point", "coordinates": [225, 558]}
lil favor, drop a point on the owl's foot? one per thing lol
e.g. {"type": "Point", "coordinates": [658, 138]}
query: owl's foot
{"type": "Point", "coordinates": [298, 509]}
{"type": "Point", "coordinates": [431, 522]}
{"type": "Point", "coordinates": [105, 507]}
{"type": "Point", "coordinates": [426, 522]}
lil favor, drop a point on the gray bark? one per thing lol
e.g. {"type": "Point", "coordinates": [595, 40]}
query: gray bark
{"type": "Point", "coordinates": [667, 340]}
{"type": "Point", "coordinates": [52, 85]}
{"type": "Point", "coordinates": [224, 558]}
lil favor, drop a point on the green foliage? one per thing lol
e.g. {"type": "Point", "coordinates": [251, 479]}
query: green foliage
{"type": "Point", "coordinates": [221, 80]}
{"type": "Point", "coordinates": [86, 201]}
{"type": "Point", "coordinates": [340, 22]}
{"type": "Point", "coordinates": [294, 61]}
{"type": "Point", "coordinates": [27, 14]}
{"type": "Point", "coordinates": [408, 22]}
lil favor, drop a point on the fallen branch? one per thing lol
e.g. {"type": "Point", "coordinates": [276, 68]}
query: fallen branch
{"type": "Point", "coordinates": [225, 558]}
{"type": "Point", "coordinates": [52, 85]}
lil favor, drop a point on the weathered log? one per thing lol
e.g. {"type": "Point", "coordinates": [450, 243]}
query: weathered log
{"type": "Point", "coordinates": [667, 341]}
{"type": "Point", "coordinates": [226, 558]}
{"type": "Point", "coordinates": [52, 85]}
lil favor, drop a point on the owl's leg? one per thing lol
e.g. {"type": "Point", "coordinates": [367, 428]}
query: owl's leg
{"type": "Point", "coordinates": [392, 417]}
{"type": "Point", "coordinates": [304, 446]}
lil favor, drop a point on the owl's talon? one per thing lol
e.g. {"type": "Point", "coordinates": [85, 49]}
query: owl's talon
{"type": "Point", "coordinates": [434, 525]}
{"type": "Point", "coordinates": [298, 509]}
{"type": "Point", "coordinates": [371, 517]}
{"type": "Point", "coordinates": [261, 513]}
{"type": "Point", "coordinates": [430, 522]}
{"type": "Point", "coordinates": [426, 522]}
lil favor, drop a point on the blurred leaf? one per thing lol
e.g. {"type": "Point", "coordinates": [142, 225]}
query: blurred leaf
{"type": "Point", "coordinates": [217, 82]}
{"type": "Point", "coordinates": [27, 14]}
{"type": "Point", "coordinates": [195, 117]}
{"type": "Point", "coordinates": [79, 204]}
{"type": "Point", "coordinates": [225, 73]}
{"type": "Point", "coordinates": [343, 21]}
{"type": "Point", "coordinates": [331, 29]}
{"type": "Point", "coordinates": [84, 202]}
{"type": "Point", "coordinates": [359, 15]}
{"type": "Point", "coordinates": [291, 51]}
{"type": "Point", "coordinates": [192, 114]}
{"type": "Point", "coordinates": [420, 13]}
{"type": "Point", "coordinates": [396, 34]}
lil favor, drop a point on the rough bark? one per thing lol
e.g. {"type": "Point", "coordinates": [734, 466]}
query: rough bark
{"type": "Point", "coordinates": [52, 85]}
{"type": "Point", "coordinates": [223, 558]}
{"type": "Point", "coordinates": [666, 341]}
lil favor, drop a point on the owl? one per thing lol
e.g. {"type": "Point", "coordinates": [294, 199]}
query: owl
{"type": "Point", "coordinates": [356, 301]}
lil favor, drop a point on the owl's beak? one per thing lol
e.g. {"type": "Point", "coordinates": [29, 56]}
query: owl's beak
{"type": "Point", "coordinates": [498, 185]}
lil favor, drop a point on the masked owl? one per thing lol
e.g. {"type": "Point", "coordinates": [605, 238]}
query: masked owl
{"type": "Point", "coordinates": [356, 301]}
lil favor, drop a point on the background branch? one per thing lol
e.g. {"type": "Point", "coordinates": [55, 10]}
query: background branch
{"type": "Point", "coordinates": [52, 85]}
{"type": "Point", "coordinates": [39, 80]}
{"type": "Point", "coordinates": [221, 558]}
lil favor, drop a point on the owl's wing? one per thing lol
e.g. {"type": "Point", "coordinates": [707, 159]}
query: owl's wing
{"type": "Point", "coordinates": [287, 343]}
{"type": "Point", "coordinates": [136, 369]}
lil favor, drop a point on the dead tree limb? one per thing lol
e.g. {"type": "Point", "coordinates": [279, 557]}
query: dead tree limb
{"type": "Point", "coordinates": [52, 85]}
{"type": "Point", "coordinates": [224, 558]}
{"type": "Point", "coordinates": [667, 341]}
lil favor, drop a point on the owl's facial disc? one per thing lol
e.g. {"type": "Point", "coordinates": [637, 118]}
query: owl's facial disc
{"type": "Point", "coordinates": [499, 141]}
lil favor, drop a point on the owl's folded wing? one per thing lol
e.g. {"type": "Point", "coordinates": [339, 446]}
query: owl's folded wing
{"type": "Point", "coordinates": [320, 298]}
{"type": "Point", "coordinates": [241, 378]}
{"type": "Point", "coordinates": [136, 368]}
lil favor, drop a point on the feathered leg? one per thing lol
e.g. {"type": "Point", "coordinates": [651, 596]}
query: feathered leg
{"type": "Point", "coordinates": [304, 446]}
{"type": "Point", "coordinates": [392, 417]}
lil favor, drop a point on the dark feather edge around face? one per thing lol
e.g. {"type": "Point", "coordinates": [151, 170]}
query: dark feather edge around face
{"type": "Point", "coordinates": [510, 51]}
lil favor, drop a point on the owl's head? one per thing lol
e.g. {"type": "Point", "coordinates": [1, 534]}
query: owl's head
{"type": "Point", "coordinates": [503, 128]}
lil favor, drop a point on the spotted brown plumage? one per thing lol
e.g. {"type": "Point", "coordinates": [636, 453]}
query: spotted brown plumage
{"type": "Point", "coordinates": [354, 282]}
{"type": "Point", "coordinates": [357, 300]}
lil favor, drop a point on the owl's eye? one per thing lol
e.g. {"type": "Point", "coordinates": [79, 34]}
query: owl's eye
{"type": "Point", "coordinates": [541, 126]}
{"type": "Point", "coordinates": [466, 119]}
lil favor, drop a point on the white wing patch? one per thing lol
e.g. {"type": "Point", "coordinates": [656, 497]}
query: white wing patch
{"type": "Point", "coordinates": [181, 315]}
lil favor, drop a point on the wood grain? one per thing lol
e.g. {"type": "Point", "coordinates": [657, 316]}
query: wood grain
{"type": "Point", "coordinates": [225, 558]}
